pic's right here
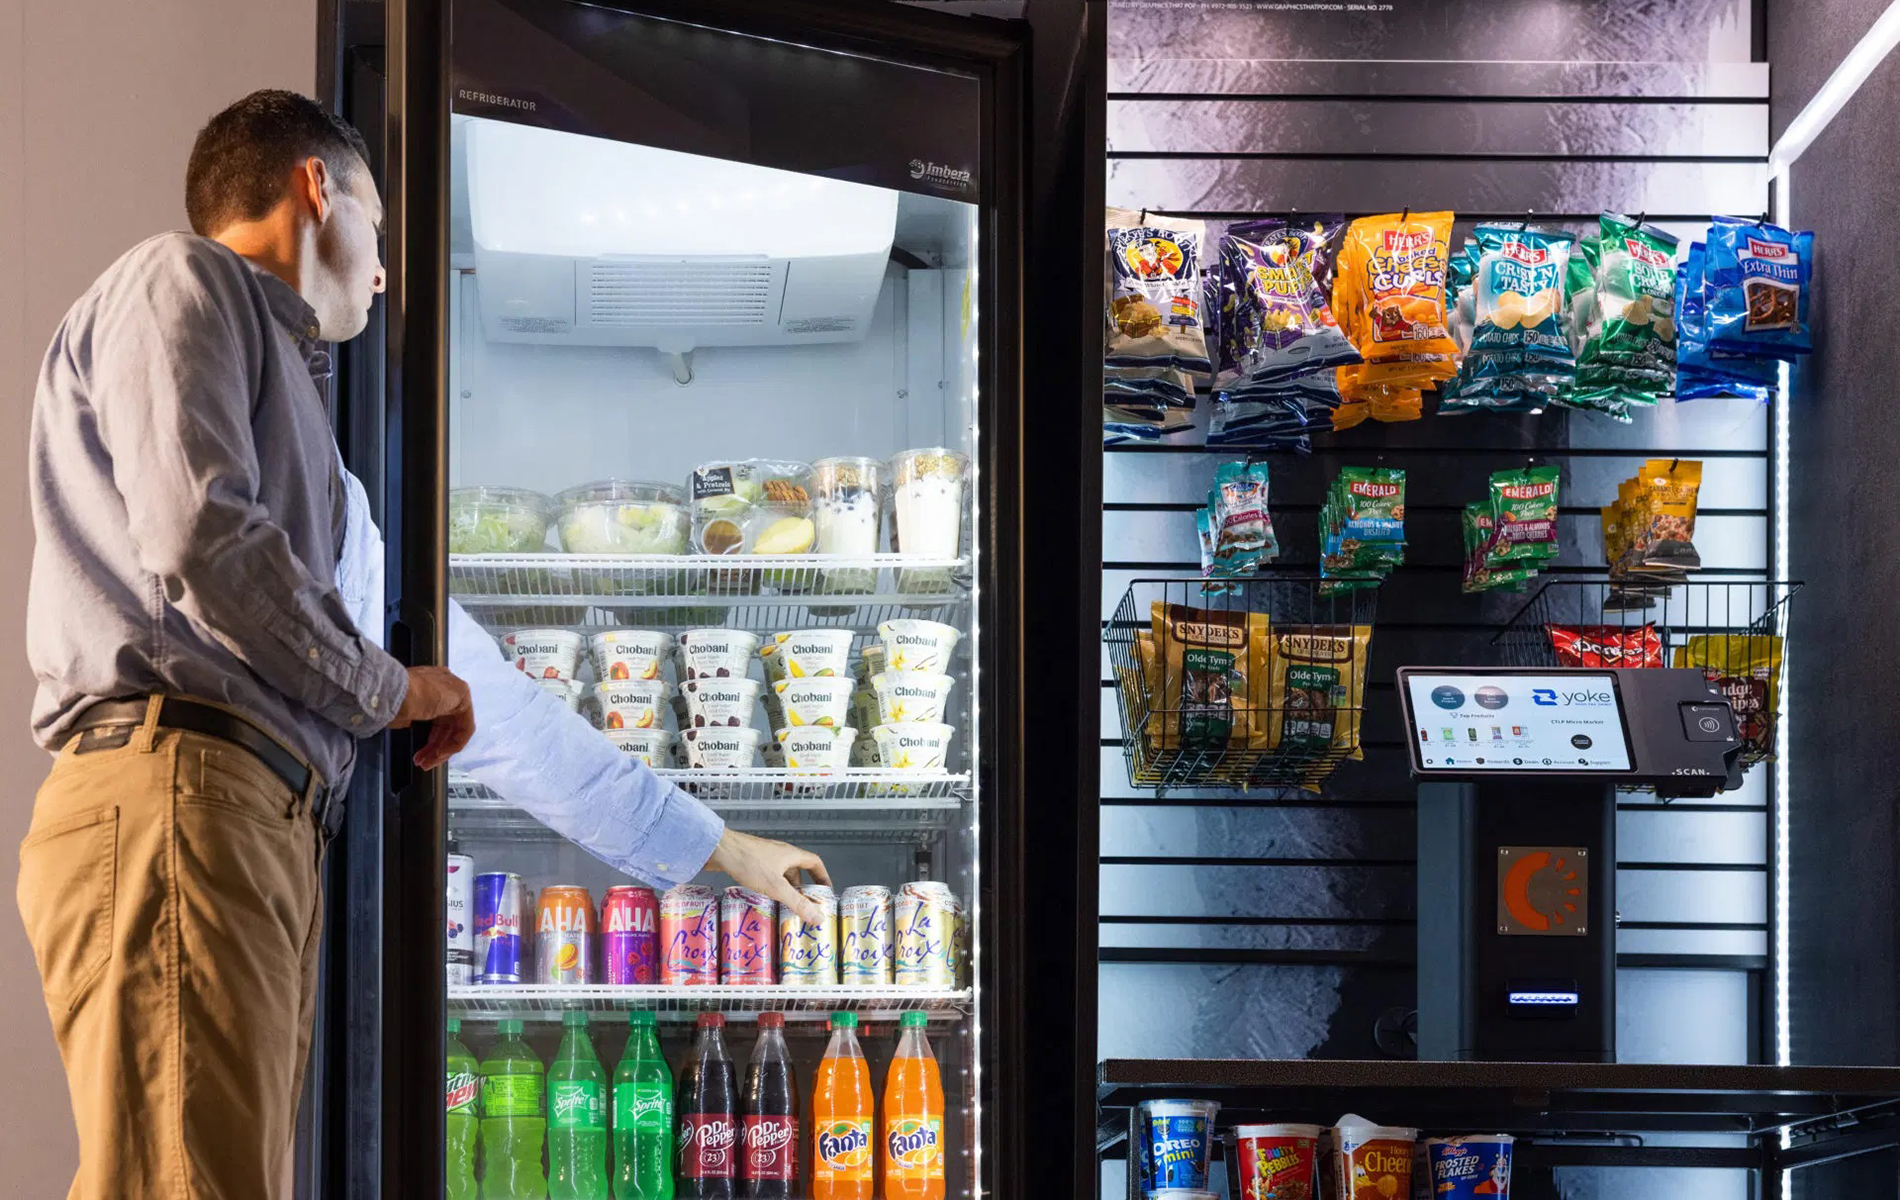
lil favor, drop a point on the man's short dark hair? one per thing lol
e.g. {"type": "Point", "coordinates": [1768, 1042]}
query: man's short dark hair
{"type": "Point", "coordinates": [243, 155]}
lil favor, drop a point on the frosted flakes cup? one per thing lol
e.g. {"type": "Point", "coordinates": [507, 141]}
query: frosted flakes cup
{"type": "Point", "coordinates": [913, 645]}
{"type": "Point", "coordinates": [927, 489]}
{"type": "Point", "coordinates": [544, 653]}
{"type": "Point", "coordinates": [806, 654]}
{"type": "Point", "coordinates": [920, 747]}
{"type": "Point", "coordinates": [817, 749]}
{"type": "Point", "coordinates": [909, 697]}
{"type": "Point", "coordinates": [1472, 1165]}
{"type": "Point", "coordinates": [633, 703]}
{"type": "Point", "coordinates": [823, 701]}
{"type": "Point", "coordinates": [630, 654]}
{"type": "Point", "coordinates": [717, 653]}
{"type": "Point", "coordinates": [654, 747]}
{"type": "Point", "coordinates": [721, 702]}
{"type": "Point", "coordinates": [721, 748]}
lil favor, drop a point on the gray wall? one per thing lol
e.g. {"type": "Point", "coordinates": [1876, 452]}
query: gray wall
{"type": "Point", "coordinates": [95, 123]}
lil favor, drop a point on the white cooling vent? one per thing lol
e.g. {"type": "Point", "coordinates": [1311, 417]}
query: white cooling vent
{"type": "Point", "coordinates": [676, 295]}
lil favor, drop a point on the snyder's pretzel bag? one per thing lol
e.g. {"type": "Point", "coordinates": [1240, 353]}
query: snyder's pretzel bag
{"type": "Point", "coordinates": [1756, 286]}
{"type": "Point", "coordinates": [1315, 689]}
{"type": "Point", "coordinates": [1155, 296]}
{"type": "Point", "coordinates": [1205, 658]}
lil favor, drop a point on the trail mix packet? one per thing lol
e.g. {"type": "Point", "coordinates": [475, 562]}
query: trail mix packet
{"type": "Point", "coordinates": [1663, 529]}
{"type": "Point", "coordinates": [1155, 292]}
{"type": "Point", "coordinates": [1524, 513]}
{"type": "Point", "coordinates": [1479, 526]}
{"type": "Point", "coordinates": [1757, 288]}
{"type": "Point", "coordinates": [1746, 669]}
{"type": "Point", "coordinates": [1362, 526]}
{"type": "Point", "coordinates": [1239, 519]}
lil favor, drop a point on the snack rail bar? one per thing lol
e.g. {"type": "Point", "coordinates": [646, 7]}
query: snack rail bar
{"type": "Point", "coordinates": [1563, 1114]}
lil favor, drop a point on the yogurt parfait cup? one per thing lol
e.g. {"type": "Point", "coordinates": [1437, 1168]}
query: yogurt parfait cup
{"type": "Point", "coordinates": [630, 654]}
{"type": "Point", "coordinates": [920, 747]}
{"type": "Point", "coordinates": [633, 703]}
{"type": "Point", "coordinates": [927, 490]}
{"type": "Point", "coordinates": [912, 697]}
{"type": "Point", "coordinates": [807, 654]}
{"type": "Point", "coordinates": [824, 701]}
{"type": "Point", "coordinates": [721, 749]}
{"type": "Point", "coordinates": [654, 747]}
{"type": "Point", "coordinates": [848, 506]}
{"type": "Point", "coordinates": [544, 653]}
{"type": "Point", "coordinates": [717, 653]}
{"type": "Point", "coordinates": [915, 645]}
{"type": "Point", "coordinates": [721, 702]}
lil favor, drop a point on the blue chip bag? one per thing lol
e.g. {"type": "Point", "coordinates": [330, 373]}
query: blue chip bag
{"type": "Point", "coordinates": [1703, 370]}
{"type": "Point", "coordinates": [1756, 286]}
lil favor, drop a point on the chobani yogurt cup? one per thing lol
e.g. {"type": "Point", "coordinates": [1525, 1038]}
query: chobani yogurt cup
{"type": "Point", "coordinates": [728, 702]}
{"type": "Point", "coordinates": [654, 747]}
{"type": "Point", "coordinates": [822, 701]}
{"type": "Point", "coordinates": [566, 691]}
{"type": "Point", "coordinates": [630, 654]}
{"type": "Point", "coordinates": [632, 703]}
{"type": "Point", "coordinates": [806, 654]}
{"type": "Point", "coordinates": [544, 653]}
{"type": "Point", "coordinates": [721, 749]}
{"type": "Point", "coordinates": [920, 747]}
{"type": "Point", "coordinates": [914, 645]}
{"type": "Point", "coordinates": [910, 697]}
{"type": "Point", "coordinates": [717, 653]}
{"type": "Point", "coordinates": [817, 749]}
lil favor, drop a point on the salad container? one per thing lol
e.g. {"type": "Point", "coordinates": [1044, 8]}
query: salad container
{"type": "Point", "coordinates": [498, 520]}
{"type": "Point", "coordinates": [619, 516]}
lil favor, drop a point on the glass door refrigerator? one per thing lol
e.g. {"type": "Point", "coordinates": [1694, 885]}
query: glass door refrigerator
{"type": "Point", "coordinates": [698, 401]}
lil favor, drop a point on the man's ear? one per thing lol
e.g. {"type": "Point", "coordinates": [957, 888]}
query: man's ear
{"type": "Point", "coordinates": [313, 185]}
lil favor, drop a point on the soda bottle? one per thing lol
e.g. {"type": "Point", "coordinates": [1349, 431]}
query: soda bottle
{"type": "Point", "coordinates": [577, 1117]}
{"type": "Point", "coordinates": [841, 1109]}
{"type": "Point", "coordinates": [463, 1092]}
{"type": "Point", "coordinates": [708, 1129]}
{"type": "Point", "coordinates": [768, 1140]}
{"type": "Point", "coordinates": [912, 1130]}
{"type": "Point", "coordinates": [643, 1116]}
{"type": "Point", "coordinates": [514, 1107]}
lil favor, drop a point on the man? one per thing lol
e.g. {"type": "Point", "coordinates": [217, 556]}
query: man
{"type": "Point", "coordinates": [203, 680]}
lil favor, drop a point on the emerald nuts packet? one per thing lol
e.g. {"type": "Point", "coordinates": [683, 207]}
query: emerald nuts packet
{"type": "Point", "coordinates": [1524, 516]}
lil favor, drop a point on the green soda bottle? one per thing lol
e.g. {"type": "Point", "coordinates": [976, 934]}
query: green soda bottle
{"type": "Point", "coordinates": [464, 1091]}
{"type": "Point", "coordinates": [643, 1116]}
{"type": "Point", "coordinates": [514, 1107]}
{"type": "Point", "coordinates": [577, 1117]}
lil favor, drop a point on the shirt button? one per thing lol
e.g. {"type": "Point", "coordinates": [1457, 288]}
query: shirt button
{"type": "Point", "coordinates": [375, 702]}
{"type": "Point", "coordinates": [664, 866]}
{"type": "Point", "coordinates": [312, 656]}
{"type": "Point", "coordinates": [357, 719]}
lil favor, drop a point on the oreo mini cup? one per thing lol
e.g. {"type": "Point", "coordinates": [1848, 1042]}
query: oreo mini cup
{"type": "Point", "coordinates": [1173, 1140]}
{"type": "Point", "coordinates": [1464, 1167]}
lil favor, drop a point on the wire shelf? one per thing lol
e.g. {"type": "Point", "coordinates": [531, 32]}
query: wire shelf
{"type": "Point", "coordinates": [1284, 701]}
{"type": "Point", "coordinates": [546, 1002]}
{"type": "Point", "coordinates": [1734, 631]}
{"type": "Point", "coordinates": [863, 787]}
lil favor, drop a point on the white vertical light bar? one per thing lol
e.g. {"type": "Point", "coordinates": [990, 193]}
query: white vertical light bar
{"type": "Point", "coordinates": [973, 331]}
{"type": "Point", "coordinates": [1784, 1036]}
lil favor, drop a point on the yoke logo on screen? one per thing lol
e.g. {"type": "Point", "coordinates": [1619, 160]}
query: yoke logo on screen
{"type": "Point", "coordinates": [939, 176]}
{"type": "Point", "coordinates": [1587, 698]}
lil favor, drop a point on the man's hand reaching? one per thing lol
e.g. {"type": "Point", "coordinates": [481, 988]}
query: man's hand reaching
{"type": "Point", "coordinates": [770, 867]}
{"type": "Point", "coordinates": [440, 698]}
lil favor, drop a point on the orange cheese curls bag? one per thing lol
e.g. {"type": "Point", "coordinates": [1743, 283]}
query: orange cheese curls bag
{"type": "Point", "coordinates": [1394, 269]}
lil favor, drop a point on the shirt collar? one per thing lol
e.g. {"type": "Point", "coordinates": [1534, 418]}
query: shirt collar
{"type": "Point", "coordinates": [299, 320]}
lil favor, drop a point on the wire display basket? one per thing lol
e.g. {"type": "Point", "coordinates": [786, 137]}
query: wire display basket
{"type": "Point", "coordinates": [1240, 683]}
{"type": "Point", "coordinates": [1733, 631]}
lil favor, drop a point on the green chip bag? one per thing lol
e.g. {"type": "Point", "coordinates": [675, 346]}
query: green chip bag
{"type": "Point", "coordinates": [1630, 351]}
{"type": "Point", "coordinates": [1524, 516]}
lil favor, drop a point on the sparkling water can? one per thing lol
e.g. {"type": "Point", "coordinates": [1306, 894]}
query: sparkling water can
{"type": "Point", "coordinates": [748, 937]}
{"type": "Point", "coordinates": [866, 949]}
{"type": "Point", "coordinates": [807, 950]}
{"type": "Point", "coordinates": [689, 936]}
{"type": "Point", "coordinates": [564, 932]}
{"type": "Point", "coordinates": [929, 921]}
{"type": "Point", "coordinates": [629, 935]}
{"type": "Point", "coordinates": [461, 930]}
{"type": "Point", "coordinates": [499, 908]}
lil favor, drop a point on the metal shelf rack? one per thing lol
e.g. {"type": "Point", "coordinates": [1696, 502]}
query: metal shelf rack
{"type": "Point", "coordinates": [546, 1002]}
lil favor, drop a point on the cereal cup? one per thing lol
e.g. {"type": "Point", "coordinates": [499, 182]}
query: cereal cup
{"type": "Point", "coordinates": [920, 747]}
{"type": "Point", "coordinates": [721, 748]}
{"type": "Point", "coordinates": [654, 747]}
{"type": "Point", "coordinates": [823, 701]}
{"type": "Point", "coordinates": [817, 749]}
{"type": "Point", "coordinates": [633, 703]}
{"type": "Point", "coordinates": [909, 697]}
{"type": "Point", "coordinates": [727, 702]}
{"type": "Point", "coordinates": [630, 654]}
{"type": "Point", "coordinates": [807, 654]}
{"type": "Point", "coordinates": [544, 653]}
{"type": "Point", "coordinates": [913, 645]}
{"type": "Point", "coordinates": [717, 653]}
{"type": "Point", "coordinates": [1372, 1160]}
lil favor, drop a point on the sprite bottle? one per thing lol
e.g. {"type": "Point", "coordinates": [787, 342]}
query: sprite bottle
{"type": "Point", "coordinates": [463, 1092]}
{"type": "Point", "coordinates": [577, 1117]}
{"type": "Point", "coordinates": [643, 1116]}
{"type": "Point", "coordinates": [514, 1119]}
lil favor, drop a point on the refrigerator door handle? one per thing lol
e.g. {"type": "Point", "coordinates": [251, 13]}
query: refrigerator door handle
{"type": "Point", "coordinates": [399, 770]}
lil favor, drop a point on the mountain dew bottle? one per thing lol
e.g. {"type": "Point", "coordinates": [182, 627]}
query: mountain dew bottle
{"type": "Point", "coordinates": [464, 1089]}
{"type": "Point", "coordinates": [514, 1119]}
{"type": "Point", "coordinates": [577, 1117]}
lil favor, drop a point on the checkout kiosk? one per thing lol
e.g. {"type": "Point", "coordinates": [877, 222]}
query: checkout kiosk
{"type": "Point", "coordinates": [1518, 772]}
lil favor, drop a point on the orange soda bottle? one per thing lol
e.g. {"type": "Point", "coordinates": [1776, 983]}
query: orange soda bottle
{"type": "Point", "coordinates": [911, 1134]}
{"type": "Point", "coordinates": [841, 1111]}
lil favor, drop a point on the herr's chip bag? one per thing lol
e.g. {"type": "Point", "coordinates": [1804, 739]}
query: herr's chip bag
{"type": "Point", "coordinates": [1519, 358]}
{"type": "Point", "coordinates": [1606, 645]}
{"type": "Point", "coordinates": [1155, 296]}
{"type": "Point", "coordinates": [1746, 669]}
{"type": "Point", "coordinates": [1391, 280]}
{"type": "Point", "coordinates": [1757, 288]}
{"type": "Point", "coordinates": [1629, 357]}
{"type": "Point", "coordinates": [1205, 658]}
{"type": "Point", "coordinates": [1314, 689]}
{"type": "Point", "coordinates": [1704, 370]}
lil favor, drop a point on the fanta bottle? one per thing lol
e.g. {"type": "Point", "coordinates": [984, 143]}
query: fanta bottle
{"type": "Point", "coordinates": [514, 1119]}
{"type": "Point", "coordinates": [841, 1110]}
{"type": "Point", "coordinates": [910, 1137]}
{"type": "Point", "coordinates": [464, 1099]}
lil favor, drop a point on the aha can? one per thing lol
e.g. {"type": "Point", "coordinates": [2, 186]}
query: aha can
{"type": "Point", "coordinates": [929, 922]}
{"type": "Point", "coordinates": [748, 937]}
{"type": "Point", "coordinates": [564, 936]}
{"type": "Point", "coordinates": [808, 951]}
{"type": "Point", "coordinates": [460, 898]}
{"type": "Point", "coordinates": [629, 935]}
{"type": "Point", "coordinates": [866, 954]}
{"type": "Point", "coordinates": [689, 936]}
{"type": "Point", "coordinates": [498, 913]}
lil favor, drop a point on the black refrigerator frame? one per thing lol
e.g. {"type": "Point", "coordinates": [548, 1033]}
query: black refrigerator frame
{"type": "Point", "coordinates": [372, 1123]}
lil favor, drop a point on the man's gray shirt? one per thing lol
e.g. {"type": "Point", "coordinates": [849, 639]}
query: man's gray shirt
{"type": "Point", "coordinates": [187, 508]}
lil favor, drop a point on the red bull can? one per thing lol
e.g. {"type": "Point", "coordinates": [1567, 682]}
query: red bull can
{"type": "Point", "coordinates": [460, 898]}
{"type": "Point", "coordinates": [808, 951]}
{"type": "Point", "coordinates": [865, 951]}
{"type": "Point", "coordinates": [499, 909]}
{"type": "Point", "coordinates": [929, 935]}
{"type": "Point", "coordinates": [748, 937]}
{"type": "Point", "coordinates": [564, 936]}
{"type": "Point", "coordinates": [630, 935]}
{"type": "Point", "coordinates": [689, 936]}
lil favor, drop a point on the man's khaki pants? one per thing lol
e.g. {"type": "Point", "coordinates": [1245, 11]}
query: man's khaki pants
{"type": "Point", "coordinates": [169, 886]}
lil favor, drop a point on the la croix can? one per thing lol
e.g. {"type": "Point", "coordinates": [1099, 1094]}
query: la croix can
{"type": "Point", "coordinates": [748, 937]}
{"type": "Point", "coordinates": [929, 922]}
{"type": "Point", "coordinates": [866, 951]}
{"type": "Point", "coordinates": [689, 936]}
{"type": "Point", "coordinates": [808, 950]}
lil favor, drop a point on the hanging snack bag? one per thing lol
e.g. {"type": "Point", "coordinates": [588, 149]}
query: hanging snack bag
{"type": "Point", "coordinates": [1524, 509]}
{"type": "Point", "coordinates": [1205, 656]}
{"type": "Point", "coordinates": [1630, 355]}
{"type": "Point", "coordinates": [1155, 297]}
{"type": "Point", "coordinates": [1520, 357]}
{"type": "Point", "coordinates": [1757, 288]}
{"type": "Point", "coordinates": [1393, 270]}
{"type": "Point", "coordinates": [1243, 527]}
{"type": "Point", "coordinates": [1314, 689]}
{"type": "Point", "coordinates": [1703, 369]}
{"type": "Point", "coordinates": [1479, 528]}
{"type": "Point", "coordinates": [1362, 526]}
{"type": "Point", "coordinates": [1293, 328]}
{"type": "Point", "coordinates": [1664, 533]}
{"type": "Point", "coordinates": [1746, 669]}
{"type": "Point", "coordinates": [1606, 645]}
